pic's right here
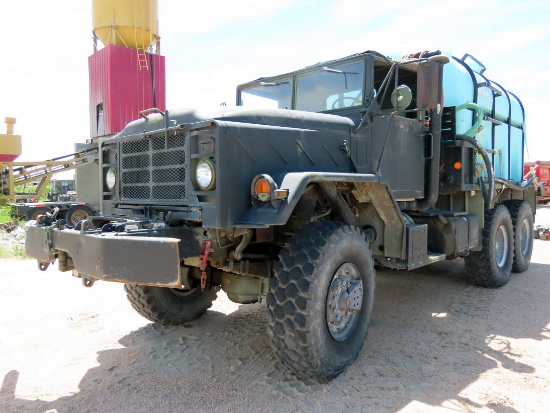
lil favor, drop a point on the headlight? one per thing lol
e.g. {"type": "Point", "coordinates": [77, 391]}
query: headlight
{"type": "Point", "coordinates": [110, 179]}
{"type": "Point", "coordinates": [205, 176]}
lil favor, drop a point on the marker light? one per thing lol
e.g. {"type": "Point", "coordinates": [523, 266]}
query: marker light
{"type": "Point", "coordinates": [263, 189]}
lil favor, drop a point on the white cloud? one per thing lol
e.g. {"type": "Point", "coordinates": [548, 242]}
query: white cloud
{"type": "Point", "coordinates": [207, 16]}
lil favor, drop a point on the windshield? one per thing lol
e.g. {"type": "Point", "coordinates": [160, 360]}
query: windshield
{"type": "Point", "coordinates": [331, 87]}
{"type": "Point", "coordinates": [269, 94]}
{"type": "Point", "coordinates": [334, 87]}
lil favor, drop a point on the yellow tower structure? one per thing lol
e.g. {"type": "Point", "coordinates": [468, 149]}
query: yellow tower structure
{"type": "Point", "coordinates": [10, 144]}
{"type": "Point", "coordinates": [129, 23]}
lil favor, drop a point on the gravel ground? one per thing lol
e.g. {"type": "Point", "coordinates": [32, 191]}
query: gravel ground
{"type": "Point", "coordinates": [436, 343]}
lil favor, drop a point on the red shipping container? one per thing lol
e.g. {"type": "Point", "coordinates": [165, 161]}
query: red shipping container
{"type": "Point", "coordinates": [119, 89]}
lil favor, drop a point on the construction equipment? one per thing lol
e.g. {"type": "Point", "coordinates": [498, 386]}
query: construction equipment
{"type": "Point", "coordinates": [297, 193]}
{"type": "Point", "coordinates": [14, 174]}
{"type": "Point", "coordinates": [541, 170]}
{"type": "Point", "coordinates": [542, 232]}
{"type": "Point", "coordinates": [37, 175]}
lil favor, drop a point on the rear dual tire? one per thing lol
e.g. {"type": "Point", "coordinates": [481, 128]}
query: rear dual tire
{"type": "Point", "coordinates": [522, 223]}
{"type": "Point", "coordinates": [491, 267]}
{"type": "Point", "coordinates": [507, 245]}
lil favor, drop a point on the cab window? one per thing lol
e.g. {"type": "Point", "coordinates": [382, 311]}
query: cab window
{"type": "Point", "coordinates": [331, 87]}
{"type": "Point", "coordinates": [268, 94]}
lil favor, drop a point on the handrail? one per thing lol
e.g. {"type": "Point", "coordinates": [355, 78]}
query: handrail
{"type": "Point", "coordinates": [143, 112]}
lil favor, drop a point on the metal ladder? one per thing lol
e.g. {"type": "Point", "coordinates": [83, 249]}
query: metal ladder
{"type": "Point", "coordinates": [143, 62]}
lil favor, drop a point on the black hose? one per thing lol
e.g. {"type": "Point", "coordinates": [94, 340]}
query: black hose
{"type": "Point", "coordinates": [514, 186]}
{"type": "Point", "coordinates": [488, 165]}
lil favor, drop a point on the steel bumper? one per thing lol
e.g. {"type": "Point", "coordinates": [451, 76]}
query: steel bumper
{"type": "Point", "coordinates": [148, 260]}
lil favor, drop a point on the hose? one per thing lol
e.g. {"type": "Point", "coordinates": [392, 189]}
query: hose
{"type": "Point", "coordinates": [511, 185]}
{"type": "Point", "coordinates": [474, 130]}
{"type": "Point", "coordinates": [469, 137]}
{"type": "Point", "coordinates": [490, 196]}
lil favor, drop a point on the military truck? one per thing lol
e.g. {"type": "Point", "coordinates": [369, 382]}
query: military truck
{"type": "Point", "coordinates": [295, 195]}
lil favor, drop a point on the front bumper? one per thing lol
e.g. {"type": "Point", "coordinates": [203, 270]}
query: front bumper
{"type": "Point", "coordinates": [149, 257]}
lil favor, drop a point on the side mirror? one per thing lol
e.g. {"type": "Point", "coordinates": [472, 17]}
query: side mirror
{"type": "Point", "coordinates": [429, 82]}
{"type": "Point", "coordinates": [401, 97]}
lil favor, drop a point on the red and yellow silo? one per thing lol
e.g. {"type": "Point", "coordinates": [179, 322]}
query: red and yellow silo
{"type": "Point", "coordinates": [126, 76]}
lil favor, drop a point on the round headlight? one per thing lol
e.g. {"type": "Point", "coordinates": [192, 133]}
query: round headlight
{"type": "Point", "coordinates": [110, 179]}
{"type": "Point", "coordinates": [204, 175]}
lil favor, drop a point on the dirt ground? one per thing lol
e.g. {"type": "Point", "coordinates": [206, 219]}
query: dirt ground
{"type": "Point", "coordinates": [436, 344]}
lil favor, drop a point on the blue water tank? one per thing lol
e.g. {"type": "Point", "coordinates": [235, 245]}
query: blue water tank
{"type": "Point", "coordinates": [503, 128]}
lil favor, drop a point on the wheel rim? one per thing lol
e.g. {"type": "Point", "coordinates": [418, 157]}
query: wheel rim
{"type": "Point", "coordinates": [78, 216]}
{"type": "Point", "coordinates": [524, 238]}
{"type": "Point", "coordinates": [36, 214]}
{"type": "Point", "coordinates": [344, 301]}
{"type": "Point", "coordinates": [501, 246]}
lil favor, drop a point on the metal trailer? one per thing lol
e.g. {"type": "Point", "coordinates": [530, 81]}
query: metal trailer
{"type": "Point", "coordinates": [40, 174]}
{"type": "Point", "coordinates": [297, 193]}
{"type": "Point", "coordinates": [72, 212]}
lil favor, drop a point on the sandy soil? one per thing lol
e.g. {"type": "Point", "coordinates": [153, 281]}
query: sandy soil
{"type": "Point", "coordinates": [436, 343]}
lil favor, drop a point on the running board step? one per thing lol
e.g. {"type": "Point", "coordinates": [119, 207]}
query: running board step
{"type": "Point", "coordinates": [416, 250]}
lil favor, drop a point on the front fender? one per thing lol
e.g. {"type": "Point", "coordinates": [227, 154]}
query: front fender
{"type": "Point", "coordinates": [267, 214]}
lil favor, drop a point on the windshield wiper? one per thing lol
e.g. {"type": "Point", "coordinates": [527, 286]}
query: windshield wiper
{"type": "Point", "coordinates": [273, 83]}
{"type": "Point", "coordinates": [340, 72]}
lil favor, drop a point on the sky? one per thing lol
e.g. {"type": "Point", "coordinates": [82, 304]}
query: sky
{"type": "Point", "coordinates": [211, 46]}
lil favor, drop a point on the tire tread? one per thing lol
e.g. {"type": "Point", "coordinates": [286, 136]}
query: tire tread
{"type": "Point", "coordinates": [144, 299]}
{"type": "Point", "coordinates": [478, 263]}
{"type": "Point", "coordinates": [289, 331]}
{"type": "Point", "coordinates": [514, 206]}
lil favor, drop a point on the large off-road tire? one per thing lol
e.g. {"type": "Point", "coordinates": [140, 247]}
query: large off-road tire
{"type": "Point", "coordinates": [491, 267]}
{"type": "Point", "coordinates": [522, 224]}
{"type": "Point", "coordinates": [320, 299]}
{"type": "Point", "coordinates": [169, 306]}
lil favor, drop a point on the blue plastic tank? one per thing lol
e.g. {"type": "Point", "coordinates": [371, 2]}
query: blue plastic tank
{"type": "Point", "coordinates": [503, 128]}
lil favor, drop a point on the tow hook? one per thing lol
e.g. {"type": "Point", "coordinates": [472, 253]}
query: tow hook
{"type": "Point", "coordinates": [205, 252]}
{"type": "Point", "coordinates": [87, 282]}
{"type": "Point", "coordinates": [43, 266]}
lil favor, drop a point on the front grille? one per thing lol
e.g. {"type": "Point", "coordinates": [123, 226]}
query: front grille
{"type": "Point", "coordinates": [153, 169]}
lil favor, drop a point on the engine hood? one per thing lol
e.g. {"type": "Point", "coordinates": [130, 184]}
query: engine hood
{"type": "Point", "coordinates": [275, 117]}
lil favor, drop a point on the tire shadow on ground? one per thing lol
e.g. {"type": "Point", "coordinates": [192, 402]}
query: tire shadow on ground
{"type": "Point", "coordinates": [432, 335]}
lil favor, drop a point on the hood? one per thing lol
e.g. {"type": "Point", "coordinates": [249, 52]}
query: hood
{"type": "Point", "coordinates": [269, 117]}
